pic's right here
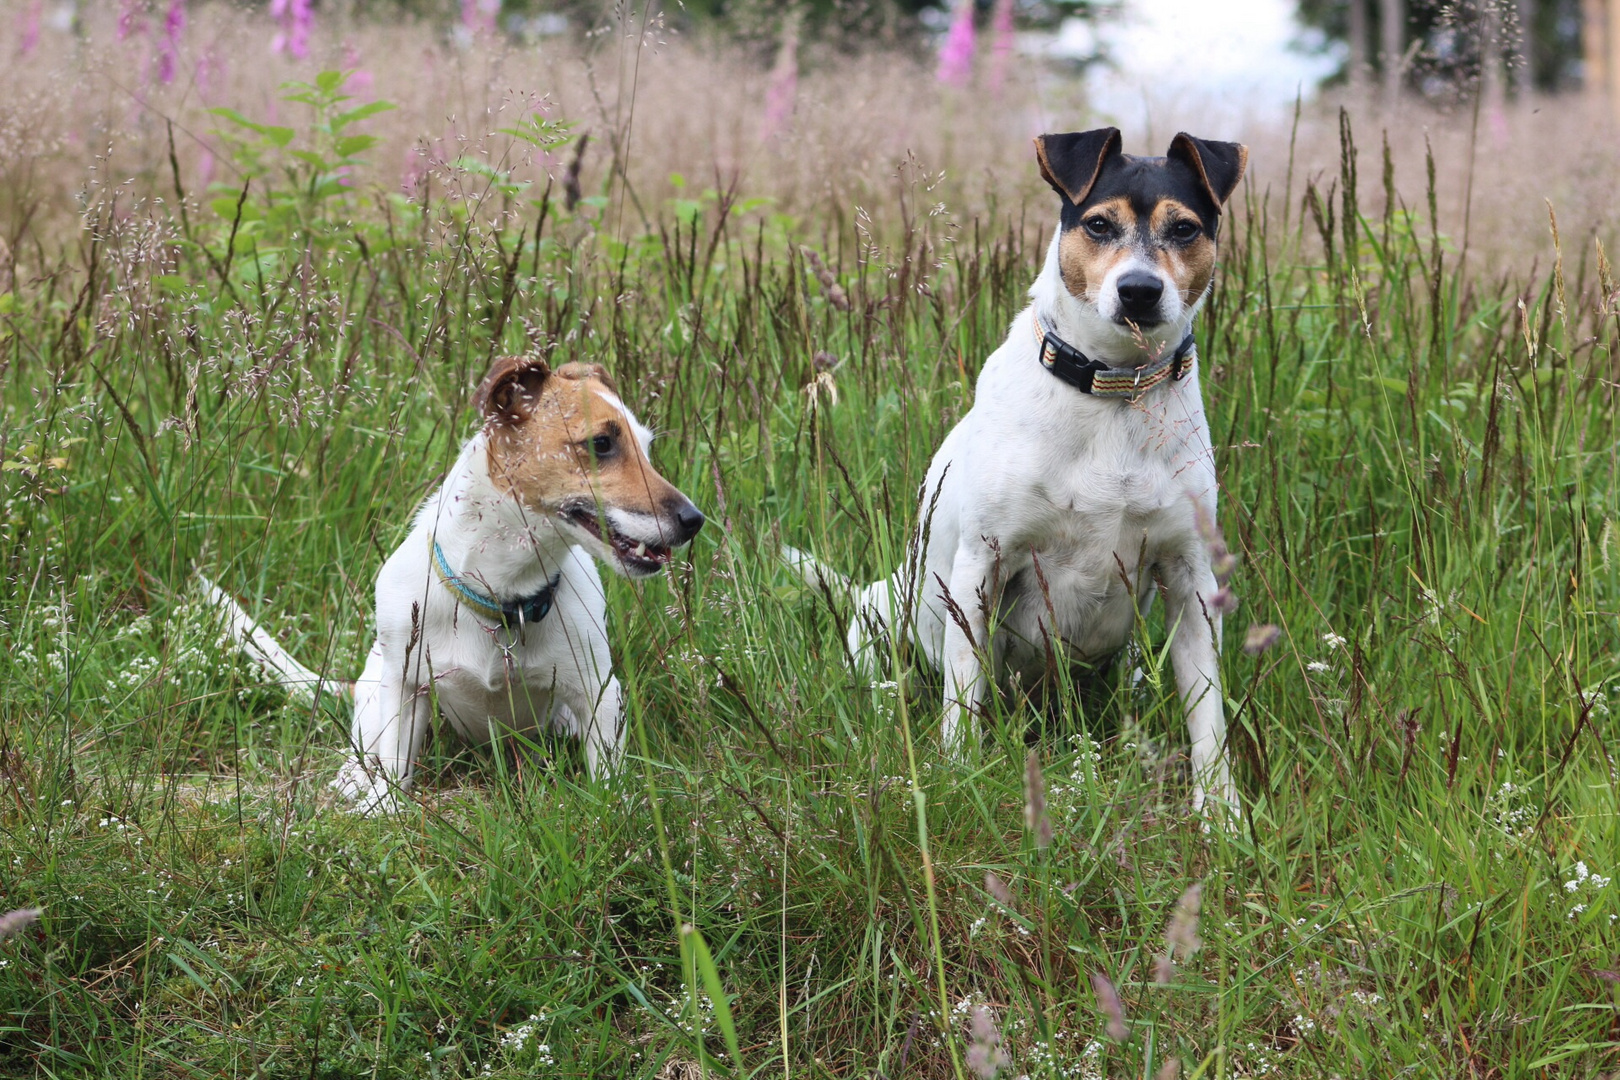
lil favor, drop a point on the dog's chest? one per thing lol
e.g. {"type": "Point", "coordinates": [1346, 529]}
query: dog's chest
{"type": "Point", "coordinates": [488, 677]}
{"type": "Point", "coordinates": [1094, 534]}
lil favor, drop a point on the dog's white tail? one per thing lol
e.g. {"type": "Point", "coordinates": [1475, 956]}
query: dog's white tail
{"type": "Point", "coordinates": [818, 575]}
{"type": "Point", "coordinates": [301, 683]}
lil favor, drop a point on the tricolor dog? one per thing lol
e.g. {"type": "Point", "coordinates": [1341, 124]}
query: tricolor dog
{"type": "Point", "coordinates": [1080, 476]}
{"type": "Point", "coordinates": [492, 610]}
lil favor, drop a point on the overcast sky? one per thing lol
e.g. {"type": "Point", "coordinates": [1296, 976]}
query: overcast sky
{"type": "Point", "coordinates": [1216, 64]}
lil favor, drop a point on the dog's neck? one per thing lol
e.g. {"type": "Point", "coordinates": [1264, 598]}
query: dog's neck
{"type": "Point", "coordinates": [488, 536]}
{"type": "Point", "coordinates": [1078, 323]}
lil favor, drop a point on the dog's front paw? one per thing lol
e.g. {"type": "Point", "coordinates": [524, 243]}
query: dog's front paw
{"type": "Point", "coordinates": [370, 792]}
{"type": "Point", "coordinates": [1220, 808]}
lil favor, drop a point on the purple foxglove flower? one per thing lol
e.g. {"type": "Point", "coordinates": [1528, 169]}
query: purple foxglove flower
{"type": "Point", "coordinates": [1001, 44]}
{"type": "Point", "coordinates": [956, 55]}
{"type": "Point", "coordinates": [783, 92]}
{"type": "Point", "coordinates": [174, 24]}
{"type": "Point", "coordinates": [130, 19]}
{"type": "Point", "coordinates": [29, 36]}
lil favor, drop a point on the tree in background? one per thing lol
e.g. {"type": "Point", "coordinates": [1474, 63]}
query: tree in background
{"type": "Point", "coordinates": [1450, 50]}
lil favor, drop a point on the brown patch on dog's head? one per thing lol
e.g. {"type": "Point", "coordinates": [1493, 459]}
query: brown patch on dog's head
{"type": "Point", "coordinates": [563, 444]}
{"type": "Point", "coordinates": [1086, 253]}
{"type": "Point", "coordinates": [1182, 249]}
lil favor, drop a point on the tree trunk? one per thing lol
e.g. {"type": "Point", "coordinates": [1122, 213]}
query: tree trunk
{"type": "Point", "coordinates": [1360, 44]}
{"type": "Point", "coordinates": [1392, 32]}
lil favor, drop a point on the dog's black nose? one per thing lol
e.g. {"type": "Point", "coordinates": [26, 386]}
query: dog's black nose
{"type": "Point", "coordinates": [690, 520]}
{"type": "Point", "coordinates": [1139, 295]}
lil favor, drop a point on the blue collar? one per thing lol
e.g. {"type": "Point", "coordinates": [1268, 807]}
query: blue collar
{"type": "Point", "coordinates": [528, 610]}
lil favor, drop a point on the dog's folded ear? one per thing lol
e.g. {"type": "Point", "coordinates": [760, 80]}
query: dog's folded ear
{"type": "Point", "coordinates": [1219, 165]}
{"type": "Point", "coordinates": [508, 393]}
{"type": "Point", "coordinates": [578, 369]}
{"type": "Point", "coordinates": [1071, 162]}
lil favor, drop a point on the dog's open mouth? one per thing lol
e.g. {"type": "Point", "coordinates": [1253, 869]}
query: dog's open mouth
{"type": "Point", "coordinates": [637, 556]}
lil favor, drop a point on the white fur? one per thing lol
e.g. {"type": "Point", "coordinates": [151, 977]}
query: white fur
{"type": "Point", "coordinates": [434, 652]}
{"type": "Point", "coordinates": [1091, 487]}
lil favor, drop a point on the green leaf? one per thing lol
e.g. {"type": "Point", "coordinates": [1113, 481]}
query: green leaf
{"type": "Point", "coordinates": [278, 136]}
{"type": "Point", "coordinates": [309, 157]}
{"type": "Point", "coordinates": [717, 993]}
{"type": "Point", "coordinates": [370, 109]}
{"type": "Point", "coordinates": [687, 211]}
{"type": "Point", "coordinates": [350, 145]}
{"type": "Point", "coordinates": [330, 80]}
{"type": "Point", "coordinates": [237, 118]}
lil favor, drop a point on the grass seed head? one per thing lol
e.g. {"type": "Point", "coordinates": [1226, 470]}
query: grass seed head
{"type": "Point", "coordinates": [998, 889]}
{"type": "Point", "coordinates": [15, 922]}
{"type": "Point", "coordinates": [1261, 636]}
{"type": "Point", "coordinates": [985, 1055]}
{"type": "Point", "coordinates": [1035, 817]}
{"type": "Point", "coordinates": [1182, 936]}
{"type": "Point", "coordinates": [1112, 1008]}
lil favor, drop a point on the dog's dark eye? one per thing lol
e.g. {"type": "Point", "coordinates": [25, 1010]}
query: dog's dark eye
{"type": "Point", "coordinates": [1182, 231]}
{"type": "Point", "coordinates": [602, 445]}
{"type": "Point", "coordinates": [1098, 227]}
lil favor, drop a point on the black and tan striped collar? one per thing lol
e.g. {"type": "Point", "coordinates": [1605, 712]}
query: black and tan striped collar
{"type": "Point", "coordinates": [1098, 379]}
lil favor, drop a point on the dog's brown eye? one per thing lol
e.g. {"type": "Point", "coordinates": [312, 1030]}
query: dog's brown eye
{"type": "Point", "coordinates": [1098, 228]}
{"type": "Point", "coordinates": [602, 445]}
{"type": "Point", "coordinates": [1183, 231]}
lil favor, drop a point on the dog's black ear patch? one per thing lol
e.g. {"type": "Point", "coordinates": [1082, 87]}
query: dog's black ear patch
{"type": "Point", "coordinates": [1219, 165]}
{"type": "Point", "coordinates": [1071, 162]}
{"type": "Point", "coordinates": [509, 391]}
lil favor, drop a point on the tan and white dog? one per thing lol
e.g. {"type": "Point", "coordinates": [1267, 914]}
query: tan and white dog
{"type": "Point", "coordinates": [492, 609]}
{"type": "Point", "coordinates": [1080, 475]}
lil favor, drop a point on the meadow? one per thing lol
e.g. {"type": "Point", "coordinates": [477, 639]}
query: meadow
{"type": "Point", "coordinates": [1410, 369]}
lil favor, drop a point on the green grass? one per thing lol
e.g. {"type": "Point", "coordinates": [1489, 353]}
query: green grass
{"type": "Point", "coordinates": [1417, 460]}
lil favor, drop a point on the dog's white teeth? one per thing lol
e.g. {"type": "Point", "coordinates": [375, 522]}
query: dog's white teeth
{"type": "Point", "coordinates": [641, 549]}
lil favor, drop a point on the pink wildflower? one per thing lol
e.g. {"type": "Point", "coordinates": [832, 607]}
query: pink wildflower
{"type": "Point", "coordinates": [360, 80]}
{"type": "Point", "coordinates": [783, 91]}
{"type": "Point", "coordinates": [30, 28]}
{"type": "Point", "coordinates": [415, 169]}
{"type": "Point", "coordinates": [131, 18]}
{"type": "Point", "coordinates": [174, 24]}
{"type": "Point", "coordinates": [210, 68]}
{"type": "Point", "coordinates": [297, 18]}
{"type": "Point", "coordinates": [1001, 44]}
{"type": "Point", "coordinates": [956, 56]}
{"type": "Point", "coordinates": [480, 16]}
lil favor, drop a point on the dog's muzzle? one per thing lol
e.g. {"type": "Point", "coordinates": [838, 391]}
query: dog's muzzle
{"type": "Point", "coordinates": [1139, 296]}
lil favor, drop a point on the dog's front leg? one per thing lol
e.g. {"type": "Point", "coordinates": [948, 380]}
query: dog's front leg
{"type": "Point", "coordinates": [966, 644]}
{"type": "Point", "coordinates": [1195, 618]}
{"type": "Point", "coordinates": [391, 716]}
{"type": "Point", "coordinates": [604, 741]}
